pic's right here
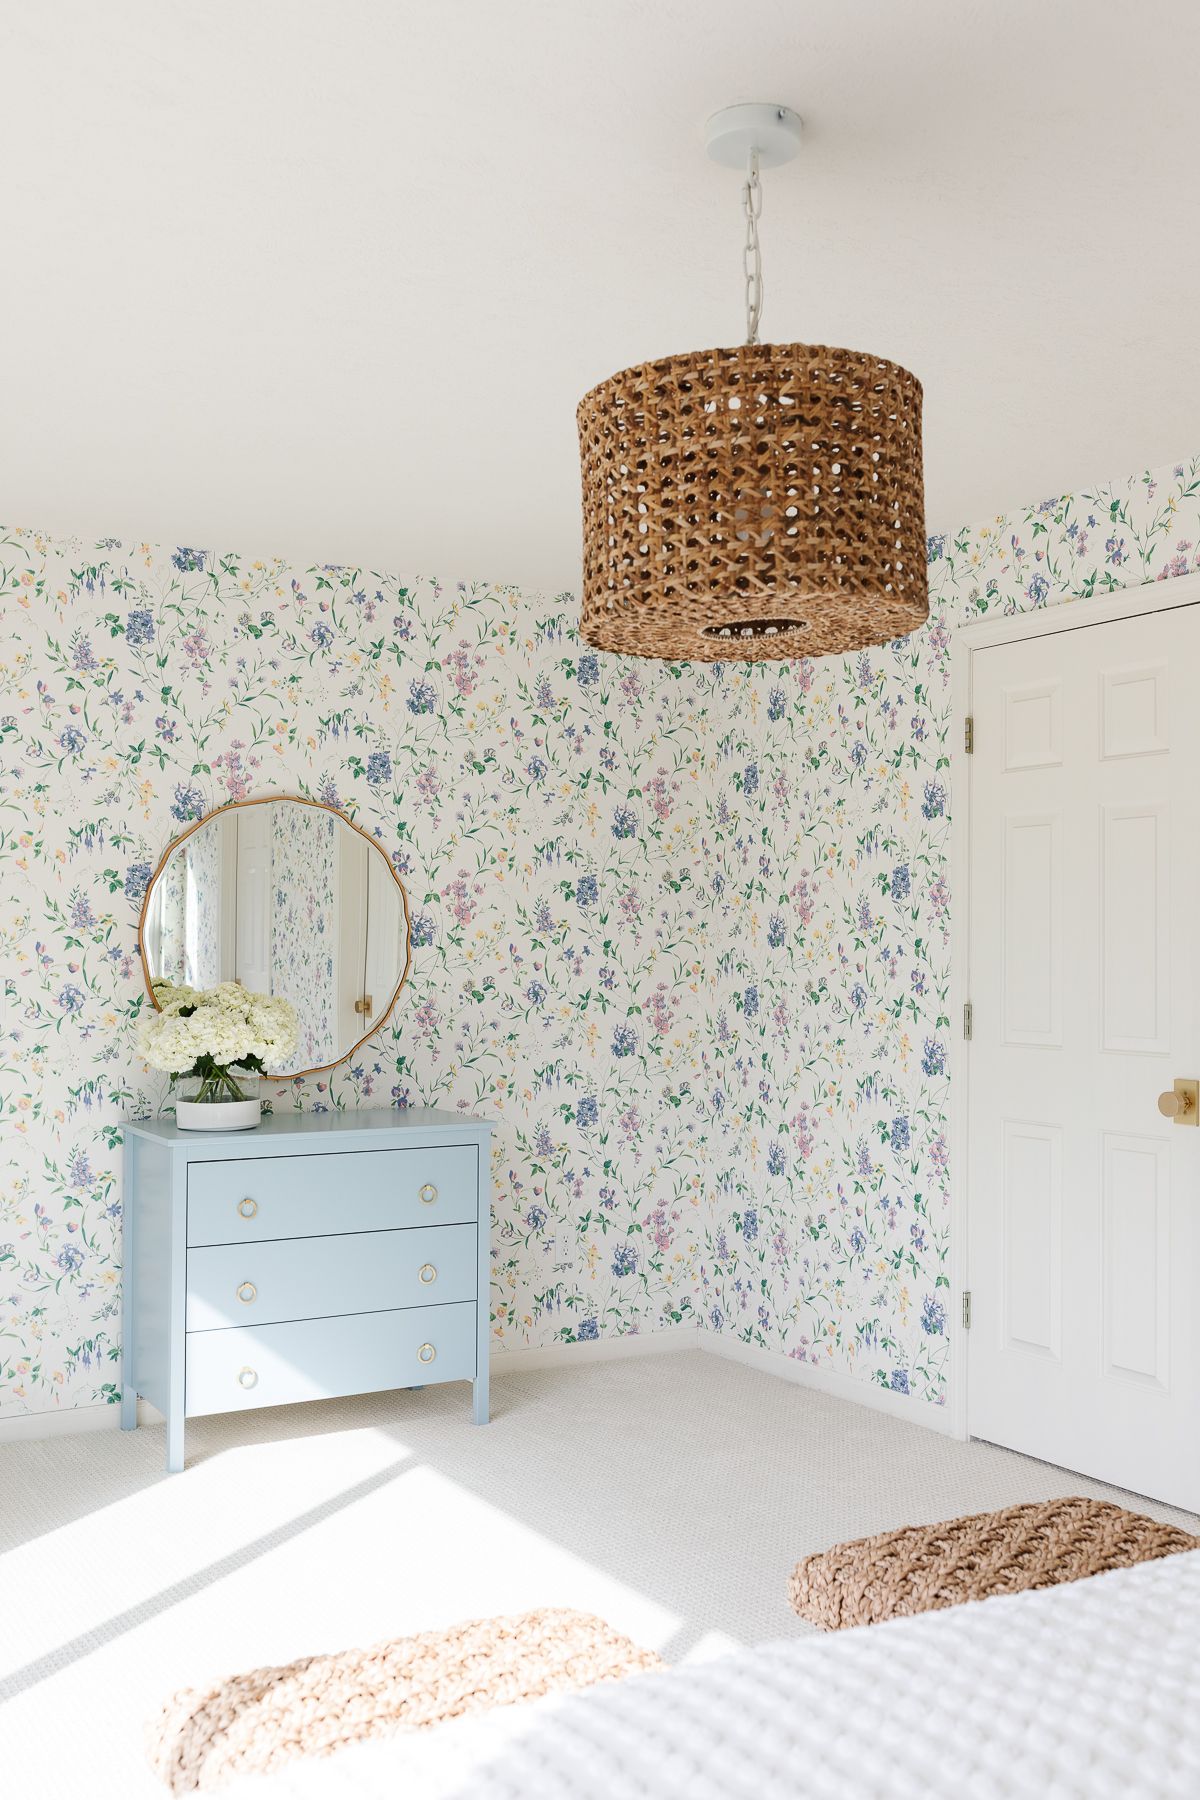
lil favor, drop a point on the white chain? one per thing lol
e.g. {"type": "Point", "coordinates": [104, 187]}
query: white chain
{"type": "Point", "coordinates": [751, 250]}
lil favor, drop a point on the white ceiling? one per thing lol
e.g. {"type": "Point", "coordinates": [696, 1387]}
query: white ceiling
{"type": "Point", "coordinates": [327, 277]}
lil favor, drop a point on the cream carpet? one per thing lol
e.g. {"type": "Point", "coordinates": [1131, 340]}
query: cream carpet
{"type": "Point", "coordinates": [671, 1495]}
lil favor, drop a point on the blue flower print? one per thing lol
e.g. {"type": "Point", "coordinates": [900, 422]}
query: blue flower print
{"type": "Point", "coordinates": [624, 823]}
{"type": "Point", "coordinates": [588, 672]}
{"type": "Point", "coordinates": [587, 1110]}
{"type": "Point", "coordinates": [901, 882]}
{"type": "Point", "coordinates": [624, 1260]}
{"type": "Point", "coordinates": [750, 1002]}
{"type": "Point", "coordinates": [933, 1316]}
{"type": "Point", "coordinates": [422, 697]}
{"type": "Point", "coordinates": [900, 1381]}
{"type": "Point", "coordinates": [187, 804]}
{"type": "Point", "coordinates": [933, 1060]}
{"type": "Point", "coordinates": [587, 891]}
{"type": "Point", "coordinates": [588, 1330]}
{"type": "Point", "coordinates": [901, 1134]}
{"type": "Point", "coordinates": [139, 627]}
{"type": "Point", "coordinates": [624, 1041]}
{"type": "Point", "coordinates": [379, 768]}
{"type": "Point", "coordinates": [137, 879]}
{"type": "Point", "coordinates": [935, 800]}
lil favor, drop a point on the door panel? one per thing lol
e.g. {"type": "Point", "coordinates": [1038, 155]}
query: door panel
{"type": "Point", "coordinates": [1085, 867]}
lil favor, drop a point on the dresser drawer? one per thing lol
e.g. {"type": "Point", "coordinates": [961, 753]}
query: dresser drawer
{"type": "Point", "coordinates": [316, 1359]}
{"type": "Point", "coordinates": [311, 1278]}
{"type": "Point", "coordinates": [248, 1199]}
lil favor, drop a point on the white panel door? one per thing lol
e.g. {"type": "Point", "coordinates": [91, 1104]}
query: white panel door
{"type": "Point", "coordinates": [1084, 1248]}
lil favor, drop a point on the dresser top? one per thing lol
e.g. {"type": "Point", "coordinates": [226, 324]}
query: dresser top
{"type": "Point", "coordinates": [369, 1128]}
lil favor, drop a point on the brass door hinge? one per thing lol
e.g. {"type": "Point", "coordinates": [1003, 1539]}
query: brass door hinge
{"type": "Point", "coordinates": [966, 1310]}
{"type": "Point", "coordinates": [968, 1019]}
{"type": "Point", "coordinates": [969, 735]}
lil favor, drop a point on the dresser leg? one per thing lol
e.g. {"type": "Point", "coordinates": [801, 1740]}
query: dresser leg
{"type": "Point", "coordinates": [128, 1406]}
{"type": "Point", "coordinates": [174, 1445]}
{"type": "Point", "coordinates": [479, 1390]}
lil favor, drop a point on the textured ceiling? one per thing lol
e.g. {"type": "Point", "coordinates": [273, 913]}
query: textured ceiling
{"type": "Point", "coordinates": [328, 279]}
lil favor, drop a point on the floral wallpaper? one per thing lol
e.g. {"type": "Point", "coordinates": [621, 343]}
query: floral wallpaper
{"type": "Point", "coordinates": [304, 847]}
{"type": "Point", "coordinates": [826, 1033]}
{"type": "Point", "coordinates": [680, 930]}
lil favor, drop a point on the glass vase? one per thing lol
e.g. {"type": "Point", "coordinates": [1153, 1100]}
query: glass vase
{"type": "Point", "coordinates": [226, 1100]}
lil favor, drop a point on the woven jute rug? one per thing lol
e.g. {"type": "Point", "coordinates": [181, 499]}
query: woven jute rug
{"type": "Point", "coordinates": [926, 1567]}
{"type": "Point", "coordinates": [254, 1722]}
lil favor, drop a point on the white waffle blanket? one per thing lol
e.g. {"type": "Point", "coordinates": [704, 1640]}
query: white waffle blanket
{"type": "Point", "coordinates": [1087, 1690]}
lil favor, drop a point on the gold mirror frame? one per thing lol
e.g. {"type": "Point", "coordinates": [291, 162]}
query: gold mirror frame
{"type": "Point", "coordinates": [317, 806]}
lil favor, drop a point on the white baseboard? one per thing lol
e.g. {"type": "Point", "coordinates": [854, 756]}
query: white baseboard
{"type": "Point", "coordinates": [671, 1340]}
{"type": "Point", "coordinates": [18, 1427]}
{"type": "Point", "coordinates": [832, 1382]}
{"type": "Point", "coordinates": [674, 1340]}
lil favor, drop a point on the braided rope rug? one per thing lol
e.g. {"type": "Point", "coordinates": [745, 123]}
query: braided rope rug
{"type": "Point", "coordinates": [926, 1567]}
{"type": "Point", "coordinates": [254, 1722]}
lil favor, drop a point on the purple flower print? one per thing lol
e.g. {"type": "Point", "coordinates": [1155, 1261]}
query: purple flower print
{"type": "Point", "coordinates": [535, 993]}
{"type": "Point", "coordinates": [776, 704]}
{"type": "Point", "coordinates": [71, 998]}
{"type": "Point", "coordinates": [535, 1218]}
{"type": "Point", "coordinates": [935, 547]}
{"type": "Point", "coordinates": [69, 1259]}
{"type": "Point", "coordinates": [422, 929]}
{"type": "Point", "coordinates": [624, 823]}
{"type": "Point", "coordinates": [321, 635]}
{"type": "Point", "coordinates": [776, 932]}
{"type": "Point", "coordinates": [379, 768]}
{"type": "Point", "coordinates": [1116, 551]}
{"type": "Point", "coordinates": [858, 1240]}
{"type": "Point", "coordinates": [422, 697]}
{"type": "Point", "coordinates": [71, 740]}
{"type": "Point", "coordinates": [716, 1319]}
{"type": "Point", "coordinates": [624, 1041]}
{"type": "Point", "coordinates": [1037, 590]}
{"type": "Point", "coordinates": [933, 1061]}
{"type": "Point", "coordinates": [139, 627]}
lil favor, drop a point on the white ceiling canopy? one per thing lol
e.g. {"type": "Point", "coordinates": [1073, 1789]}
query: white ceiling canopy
{"type": "Point", "coordinates": [328, 280]}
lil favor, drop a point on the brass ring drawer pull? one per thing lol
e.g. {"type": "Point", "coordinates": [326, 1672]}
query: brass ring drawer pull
{"type": "Point", "coordinates": [428, 1194]}
{"type": "Point", "coordinates": [247, 1207]}
{"type": "Point", "coordinates": [247, 1378]}
{"type": "Point", "coordinates": [427, 1273]}
{"type": "Point", "coordinates": [426, 1353]}
{"type": "Point", "coordinates": [247, 1292]}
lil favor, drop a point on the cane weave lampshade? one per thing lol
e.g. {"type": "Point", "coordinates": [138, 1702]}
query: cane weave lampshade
{"type": "Point", "coordinates": [763, 502]}
{"type": "Point", "coordinates": [759, 502]}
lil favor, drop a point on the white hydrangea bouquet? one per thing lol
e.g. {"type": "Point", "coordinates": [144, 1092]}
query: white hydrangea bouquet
{"type": "Point", "coordinates": [216, 1042]}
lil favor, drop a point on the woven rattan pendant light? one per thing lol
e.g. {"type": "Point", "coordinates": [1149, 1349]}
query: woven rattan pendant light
{"type": "Point", "coordinates": [758, 502]}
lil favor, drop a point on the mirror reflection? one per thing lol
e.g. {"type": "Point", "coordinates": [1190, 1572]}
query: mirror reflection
{"type": "Point", "coordinates": [287, 898]}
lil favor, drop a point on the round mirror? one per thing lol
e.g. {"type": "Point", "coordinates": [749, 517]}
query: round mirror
{"type": "Point", "coordinates": [289, 898]}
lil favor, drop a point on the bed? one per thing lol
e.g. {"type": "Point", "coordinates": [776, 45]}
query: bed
{"type": "Point", "coordinates": [1089, 1690]}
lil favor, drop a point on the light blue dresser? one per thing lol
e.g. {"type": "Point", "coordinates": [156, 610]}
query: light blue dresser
{"type": "Point", "coordinates": [317, 1255]}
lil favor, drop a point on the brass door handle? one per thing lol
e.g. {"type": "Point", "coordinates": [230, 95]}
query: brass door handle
{"type": "Point", "coordinates": [428, 1194]}
{"type": "Point", "coordinates": [427, 1353]}
{"type": "Point", "coordinates": [428, 1273]}
{"type": "Point", "coordinates": [1179, 1103]}
{"type": "Point", "coordinates": [247, 1378]}
{"type": "Point", "coordinates": [247, 1207]}
{"type": "Point", "coordinates": [247, 1292]}
{"type": "Point", "coordinates": [365, 1007]}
